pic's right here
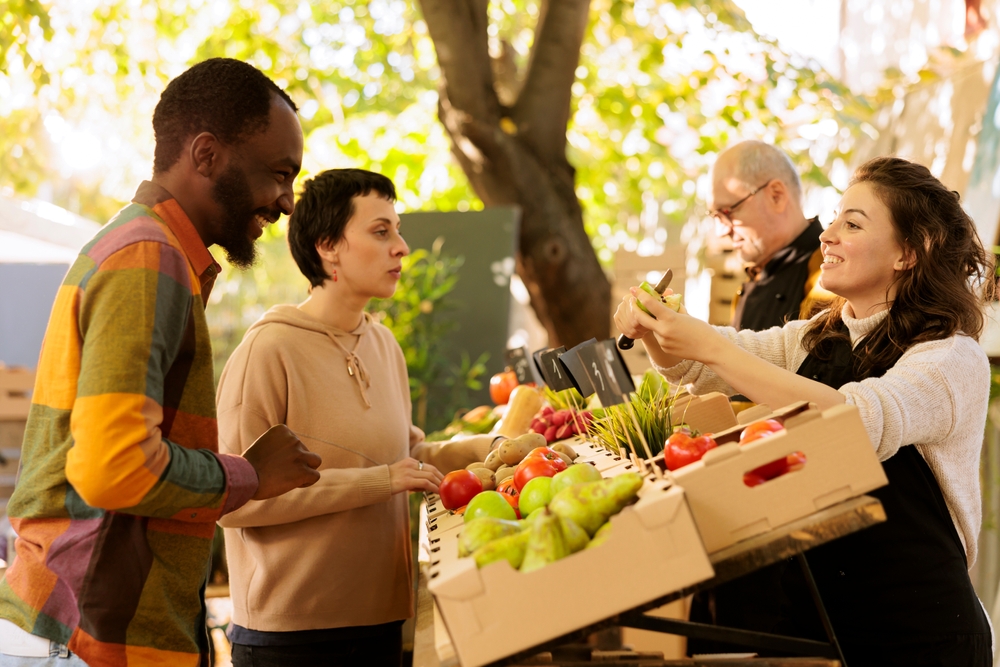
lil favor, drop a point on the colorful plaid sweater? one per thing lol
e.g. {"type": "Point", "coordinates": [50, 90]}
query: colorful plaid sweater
{"type": "Point", "coordinates": [121, 482]}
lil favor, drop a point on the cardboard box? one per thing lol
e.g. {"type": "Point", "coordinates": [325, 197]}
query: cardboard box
{"type": "Point", "coordinates": [654, 549]}
{"type": "Point", "coordinates": [15, 392]}
{"type": "Point", "coordinates": [840, 464]}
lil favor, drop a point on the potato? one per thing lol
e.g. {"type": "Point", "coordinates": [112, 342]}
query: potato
{"type": "Point", "coordinates": [563, 448]}
{"type": "Point", "coordinates": [485, 476]}
{"type": "Point", "coordinates": [493, 461]}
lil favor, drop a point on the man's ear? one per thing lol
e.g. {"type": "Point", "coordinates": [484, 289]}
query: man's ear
{"type": "Point", "coordinates": [205, 153]}
{"type": "Point", "coordinates": [777, 195]}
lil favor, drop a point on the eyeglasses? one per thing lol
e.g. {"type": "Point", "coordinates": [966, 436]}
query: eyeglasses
{"type": "Point", "coordinates": [724, 214]}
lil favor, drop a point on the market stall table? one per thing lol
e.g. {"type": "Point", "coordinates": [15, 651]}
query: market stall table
{"type": "Point", "coordinates": [432, 647]}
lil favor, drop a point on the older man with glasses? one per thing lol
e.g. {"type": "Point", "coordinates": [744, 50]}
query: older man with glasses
{"type": "Point", "coordinates": [756, 200]}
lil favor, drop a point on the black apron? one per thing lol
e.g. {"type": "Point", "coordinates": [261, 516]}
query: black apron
{"type": "Point", "coordinates": [899, 592]}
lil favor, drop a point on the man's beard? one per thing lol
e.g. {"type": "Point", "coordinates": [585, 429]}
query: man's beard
{"type": "Point", "coordinates": [232, 193]}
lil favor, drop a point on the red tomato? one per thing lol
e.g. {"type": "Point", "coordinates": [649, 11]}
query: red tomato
{"type": "Point", "coordinates": [530, 468]}
{"type": "Point", "coordinates": [550, 455]}
{"type": "Point", "coordinates": [761, 429]}
{"type": "Point", "coordinates": [458, 488]}
{"type": "Point", "coordinates": [510, 493]}
{"type": "Point", "coordinates": [681, 449]}
{"type": "Point", "coordinates": [501, 385]}
{"type": "Point", "coordinates": [777, 468]}
{"type": "Point", "coordinates": [796, 461]}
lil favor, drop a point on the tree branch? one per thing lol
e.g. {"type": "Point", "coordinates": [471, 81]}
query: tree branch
{"type": "Point", "coordinates": [542, 110]}
{"type": "Point", "coordinates": [458, 30]}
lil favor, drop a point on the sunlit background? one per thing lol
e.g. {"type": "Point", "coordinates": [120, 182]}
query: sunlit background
{"type": "Point", "coordinates": [661, 88]}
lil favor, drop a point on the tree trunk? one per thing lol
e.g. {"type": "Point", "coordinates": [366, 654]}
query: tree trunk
{"type": "Point", "coordinates": [515, 154]}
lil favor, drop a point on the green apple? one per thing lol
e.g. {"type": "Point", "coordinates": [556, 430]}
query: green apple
{"type": "Point", "coordinates": [489, 503]}
{"type": "Point", "coordinates": [578, 473]}
{"type": "Point", "coordinates": [671, 301]}
{"type": "Point", "coordinates": [534, 495]}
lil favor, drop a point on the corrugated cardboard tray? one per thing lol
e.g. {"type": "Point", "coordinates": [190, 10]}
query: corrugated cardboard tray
{"type": "Point", "coordinates": [840, 464]}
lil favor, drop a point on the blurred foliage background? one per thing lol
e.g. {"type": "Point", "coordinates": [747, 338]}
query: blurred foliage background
{"type": "Point", "coordinates": [661, 87]}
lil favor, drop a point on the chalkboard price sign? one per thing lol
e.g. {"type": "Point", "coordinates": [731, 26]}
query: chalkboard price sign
{"type": "Point", "coordinates": [552, 369]}
{"type": "Point", "coordinates": [520, 363]}
{"type": "Point", "coordinates": [607, 371]}
{"type": "Point", "coordinates": [571, 362]}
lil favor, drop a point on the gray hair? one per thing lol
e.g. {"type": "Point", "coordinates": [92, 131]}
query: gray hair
{"type": "Point", "coordinates": [758, 162]}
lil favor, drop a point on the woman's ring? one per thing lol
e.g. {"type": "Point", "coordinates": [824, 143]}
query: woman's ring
{"type": "Point", "coordinates": [420, 465]}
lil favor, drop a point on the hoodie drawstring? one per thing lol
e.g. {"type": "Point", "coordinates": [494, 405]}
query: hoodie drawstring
{"type": "Point", "coordinates": [355, 367]}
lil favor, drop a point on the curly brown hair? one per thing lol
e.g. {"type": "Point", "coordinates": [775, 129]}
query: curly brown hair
{"type": "Point", "coordinates": [944, 291]}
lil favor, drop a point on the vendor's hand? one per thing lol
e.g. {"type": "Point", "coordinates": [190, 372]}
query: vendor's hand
{"type": "Point", "coordinates": [413, 475]}
{"type": "Point", "coordinates": [679, 335]}
{"type": "Point", "coordinates": [626, 321]}
{"type": "Point", "coordinates": [282, 463]}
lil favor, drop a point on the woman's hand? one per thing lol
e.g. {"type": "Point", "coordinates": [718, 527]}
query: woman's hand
{"type": "Point", "coordinates": [626, 321]}
{"type": "Point", "coordinates": [677, 335]}
{"type": "Point", "coordinates": [413, 475]}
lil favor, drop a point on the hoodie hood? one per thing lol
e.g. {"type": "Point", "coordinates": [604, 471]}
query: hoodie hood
{"type": "Point", "coordinates": [292, 316]}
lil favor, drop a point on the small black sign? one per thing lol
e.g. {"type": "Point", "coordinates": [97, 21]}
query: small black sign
{"type": "Point", "coordinates": [520, 363]}
{"type": "Point", "coordinates": [571, 363]}
{"type": "Point", "coordinates": [552, 370]}
{"type": "Point", "coordinates": [608, 373]}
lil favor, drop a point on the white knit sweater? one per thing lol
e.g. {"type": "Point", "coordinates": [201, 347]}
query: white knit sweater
{"type": "Point", "coordinates": [935, 398]}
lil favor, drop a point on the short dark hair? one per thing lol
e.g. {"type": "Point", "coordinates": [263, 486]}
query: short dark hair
{"type": "Point", "coordinates": [323, 210]}
{"type": "Point", "coordinates": [229, 98]}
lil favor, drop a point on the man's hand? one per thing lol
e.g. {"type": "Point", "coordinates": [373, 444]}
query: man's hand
{"type": "Point", "coordinates": [282, 463]}
{"type": "Point", "coordinates": [413, 475]}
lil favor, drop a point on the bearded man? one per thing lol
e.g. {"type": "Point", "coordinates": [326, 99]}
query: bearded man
{"type": "Point", "coordinates": [121, 481]}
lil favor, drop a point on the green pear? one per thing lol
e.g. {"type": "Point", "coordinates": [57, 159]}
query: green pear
{"type": "Point", "coordinates": [546, 543]}
{"type": "Point", "coordinates": [510, 548]}
{"type": "Point", "coordinates": [589, 505]}
{"type": "Point", "coordinates": [601, 536]}
{"type": "Point", "coordinates": [576, 537]}
{"type": "Point", "coordinates": [578, 473]}
{"type": "Point", "coordinates": [482, 531]}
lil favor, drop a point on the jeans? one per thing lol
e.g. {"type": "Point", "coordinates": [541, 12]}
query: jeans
{"type": "Point", "coordinates": [383, 650]}
{"type": "Point", "coordinates": [59, 656]}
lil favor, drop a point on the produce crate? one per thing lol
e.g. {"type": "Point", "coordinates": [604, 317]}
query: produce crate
{"type": "Point", "coordinates": [496, 612]}
{"type": "Point", "coordinates": [840, 464]}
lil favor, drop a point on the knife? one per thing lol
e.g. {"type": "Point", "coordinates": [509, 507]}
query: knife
{"type": "Point", "coordinates": [626, 343]}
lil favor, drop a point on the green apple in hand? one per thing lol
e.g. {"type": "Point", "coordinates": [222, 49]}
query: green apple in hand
{"type": "Point", "coordinates": [671, 301]}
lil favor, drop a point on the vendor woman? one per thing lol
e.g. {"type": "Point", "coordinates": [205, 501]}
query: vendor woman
{"type": "Point", "coordinates": [324, 575]}
{"type": "Point", "coordinates": [900, 344]}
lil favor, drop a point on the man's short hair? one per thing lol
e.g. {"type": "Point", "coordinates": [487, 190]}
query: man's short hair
{"type": "Point", "coordinates": [758, 162]}
{"type": "Point", "coordinates": [226, 97]}
{"type": "Point", "coordinates": [323, 211]}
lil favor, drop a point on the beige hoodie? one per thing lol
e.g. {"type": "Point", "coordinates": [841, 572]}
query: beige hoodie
{"type": "Point", "coordinates": [337, 553]}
